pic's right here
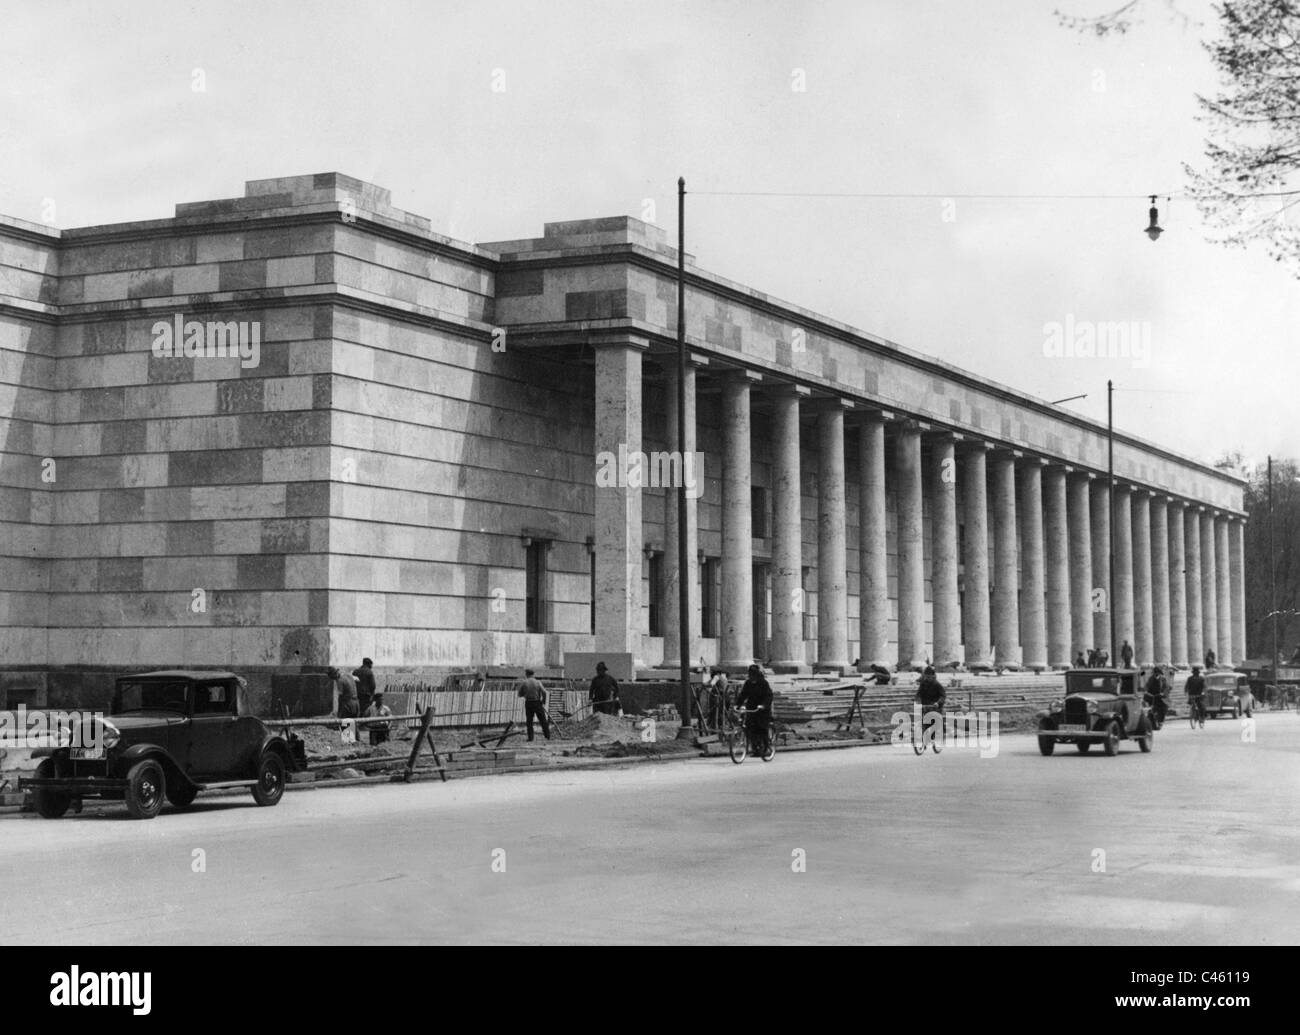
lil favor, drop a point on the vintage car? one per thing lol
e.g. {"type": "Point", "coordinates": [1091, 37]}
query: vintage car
{"type": "Point", "coordinates": [168, 736]}
{"type": "Point", "coordinates": [1101, 705]}
{"type": "Point", "coordinates": [1224, 692]}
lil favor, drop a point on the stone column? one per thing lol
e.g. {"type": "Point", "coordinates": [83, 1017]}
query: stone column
{"type": "Point", "coordinates": [1082, 636]}
{"type": "Point", "coordinates": [977, 636]}
{"type": "Point", "coordinates": [736, 649]}
{"type": "Point", "coordinates": [1160, 581]}
{"type": "Point", "coordinates": [1209, 589]}
{"type": "Point", "coordinates": [832, 552]}
{"type": "Point", "coordinates": [1192, 530]}
{"type": "Point", "coordinates": [1056, 543]}
{"type": "Point", "coordinates": [1177, 585]}
{"type": "Point", "coordinates": [787, 538]}
{"type": "Point", "coordinates": [1033, 612]}
{"type": "Point", "coordinates": [873, 574]}
{"type": "Point", "coordinates": [1223, 565]}
{"type": "Point", "coordinates": [943, 552]}
{"type": "Point", "coordinates": [618, 507]}
{"type": "Point", "coordinates": [1123, 547]}
{"type": "Point", "coordinates": [1006, 563]}
{"type": "Point", "coordinates": [911, 558]}
{"type": "Point", "coordinates": [1143, 596]}
{"type": "Point", "coordinates": [672, 577]}
{"type": "Point", "coordinates": [1101, 567]}
{"type": "Point", "coordinates": [1237, 566]}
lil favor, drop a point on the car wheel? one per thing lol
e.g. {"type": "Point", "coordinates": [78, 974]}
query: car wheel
{"type": "Point", "coordinates": [146, 788]}
{"type": "Point", "coordinates": [50, 804]}
{"type": "Point", "coordinates": [1237, 714]}
{"type": "Point", "coordinates": [269, 788]}
{"type": "Point", "coordinates": [1046, 745]}
{"type": "Point", "coordinates": [1111, 743]}
{"type": "Point", "coordinates": [182, 795]}
{"type": "Point", "coordinates": [1147, 740]}
{"type": "Point", "coordinates": [1082, 746]}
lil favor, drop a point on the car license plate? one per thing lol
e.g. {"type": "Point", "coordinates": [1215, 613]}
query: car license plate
{"type": "Point", "coordinates": [87, 752]}
{"type": "Point", "coordinates": [1071, 729]}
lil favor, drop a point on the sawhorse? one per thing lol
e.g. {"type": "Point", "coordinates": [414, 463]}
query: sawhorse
{"type": "Point", "coordinates": [425, 734]}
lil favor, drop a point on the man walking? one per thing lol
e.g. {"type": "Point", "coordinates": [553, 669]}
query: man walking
{"type": "Point", "coordinates": [365, 677]}
{"type": "Point", "coordinates": [1126, 654]}
{"type": "Point", "coordinates": [534, 695]}
{"type": "Point", "coordinates": [604, 691]}
{"type": "Point", "coordinates": [346, 705]}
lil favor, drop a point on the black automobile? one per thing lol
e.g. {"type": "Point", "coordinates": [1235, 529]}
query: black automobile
{"type": "Point", "coordinates": [168, 736]}
{"type": "Point", "coordinates": [1101, 706]}
{"type": "Point", "coordinates": [1224, 692]}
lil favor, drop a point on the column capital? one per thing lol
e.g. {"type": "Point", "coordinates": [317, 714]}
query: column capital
{"type": "Point", "coordinates": [779, 389]}
{"type": "Point", "coordinates": [1001, 452]}
{"type": "Point", "coordinates": [1034, 460]}
{"type": "Point", "coordinates": [830, 404]}
{"type": "Point", "coordinates": [908, 424]}
{"type": "Point", "coordinates": [613, 339]}
{"type": "Point", "coordinates": [944, 435]}
{"type": "Point", "coordinates": [870, 413]}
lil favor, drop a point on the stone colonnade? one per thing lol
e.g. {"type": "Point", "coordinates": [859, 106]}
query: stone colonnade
{"type": "Point", "coordinates": [1020, 581]}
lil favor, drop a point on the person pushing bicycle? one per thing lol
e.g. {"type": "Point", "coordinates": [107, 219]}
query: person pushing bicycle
{"type": "Point", "coordinates": [756, 697]}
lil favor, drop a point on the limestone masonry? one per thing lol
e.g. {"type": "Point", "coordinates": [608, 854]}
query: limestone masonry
{"type": "Point", "coordinates": [299, 427]}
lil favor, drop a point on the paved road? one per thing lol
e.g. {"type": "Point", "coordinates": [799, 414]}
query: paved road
{"type": "Point", "coordinates": [1201, 843]}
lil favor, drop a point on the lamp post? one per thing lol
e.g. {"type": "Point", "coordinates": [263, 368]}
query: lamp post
{"type": "Point", "coordinates": [1110, 508]}
{"type": "Point", "coordinates": [1272, 572]}
{"type": "Point", "coordinates": [683, 583]}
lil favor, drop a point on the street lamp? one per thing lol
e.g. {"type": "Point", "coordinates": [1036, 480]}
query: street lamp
{"type": "Point", "coordinates": [1153, 230]}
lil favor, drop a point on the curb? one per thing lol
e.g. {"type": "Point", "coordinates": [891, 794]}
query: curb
{"type": "Point", "coordinates": [558, 763]}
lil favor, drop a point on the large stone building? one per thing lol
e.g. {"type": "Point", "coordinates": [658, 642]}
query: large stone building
{"type": "Point", "coordinates": [402, 463]}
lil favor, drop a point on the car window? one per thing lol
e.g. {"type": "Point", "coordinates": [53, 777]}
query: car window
{"type": "Point", "coordinates": [1103, 682]}
{"type": "Point", "coordinates": [212, 699]}
{"type": "Point", "coordinates": [150, 695]}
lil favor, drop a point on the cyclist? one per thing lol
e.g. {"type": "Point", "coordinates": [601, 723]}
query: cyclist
{"type": "Point", "coordinates": [1195, 688]}
{"type": "Point", "coordinates": [930, 693]}
{"type": "Point", "coordinates": [756, 694]}
{"type": "Point", "coordinates": [1157, 689]}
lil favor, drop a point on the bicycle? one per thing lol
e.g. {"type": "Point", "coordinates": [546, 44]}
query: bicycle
{"type": "Point", "coordinates": [1196, 711]}
{"type": "Point", "coordinates": [739, 741]}
{"type": "Point", "coordinates": [918, 734]}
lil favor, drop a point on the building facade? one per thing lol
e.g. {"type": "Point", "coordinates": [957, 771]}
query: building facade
{"type": "Point", "coordinates": [295, 428]}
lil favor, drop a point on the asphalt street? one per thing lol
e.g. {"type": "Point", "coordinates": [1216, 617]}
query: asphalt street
{"type": "Point", "coordinates": [1198, 841]}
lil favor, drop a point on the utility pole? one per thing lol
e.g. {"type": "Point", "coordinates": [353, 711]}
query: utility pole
{"type": "Point", "coordinates": [1110, 513]}
{"type": "Point", "coordinates": [1272, 572]}
{"type": "Point", "coordinates": [683, 553]}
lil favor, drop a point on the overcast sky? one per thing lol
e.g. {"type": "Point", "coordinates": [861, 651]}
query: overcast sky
{"type": "Point", "coordinates": [605, 104]}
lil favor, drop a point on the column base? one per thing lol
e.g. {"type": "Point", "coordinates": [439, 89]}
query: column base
{"type": "Point", "coordinates": [834, 669]}
{"type": "Point", "coordinates": [791, 668]}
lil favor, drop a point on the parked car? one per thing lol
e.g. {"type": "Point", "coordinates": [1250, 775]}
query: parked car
{"type": "Point", "coordinates": [1101, 706]}
{"type": "Point", "coordinates": [168, 736]}
{"type": "Point", "coordinates": [1224, 692]}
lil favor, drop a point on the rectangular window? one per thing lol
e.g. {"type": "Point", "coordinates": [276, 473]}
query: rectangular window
{"type": "Point", "coordinates": [535, 586]}
{"type": "Point", "coordinates": [709, 617]}
{"type": "Point", "coordinates": [656, 593]}
{"type": "Point", "coordinates": [759, 512]}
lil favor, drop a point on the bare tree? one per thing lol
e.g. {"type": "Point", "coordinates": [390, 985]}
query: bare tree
{"type": "Point", "coordinates": [1248, 186]}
